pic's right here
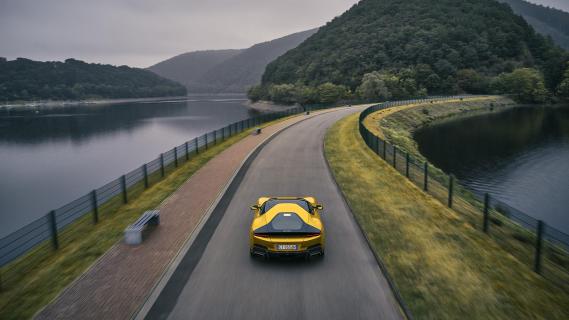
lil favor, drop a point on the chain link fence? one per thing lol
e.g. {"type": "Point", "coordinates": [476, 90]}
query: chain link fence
{"type": "Point", "coordinates": [541, 247]}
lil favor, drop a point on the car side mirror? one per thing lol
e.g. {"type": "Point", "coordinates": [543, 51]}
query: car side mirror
{"type": "Point", "coordinates": [254, 208]}
{"type": "Point", "coordinates": [318, 207]}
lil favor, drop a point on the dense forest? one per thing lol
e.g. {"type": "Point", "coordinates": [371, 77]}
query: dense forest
{"type": "Point", "coordinates": [226, 71]}
{"type": "Point", "coordinates": [24, 80]}
{"type": "Point", "coordinates": [392, 49]}
{"type": "Point", "coordinates": [547, 21]}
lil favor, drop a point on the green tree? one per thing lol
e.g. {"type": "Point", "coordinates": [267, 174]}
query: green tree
{"type": "Point", "coordinates": [470, 81]}
{"type": "Point", "coordinates": [283, 93]}
{"type": "Point", "coordinates": [306, 94]}
{"type": "Point", "coordinates": [563, 88]}
{"type": "Point", "coordinates": [373, 87]}
{"type": "Point", "coordinates": [256, 93]}
{"type": "Point", "coordinates": [526, 84]}
{"type": "Point", "coordinates": [330, 93]}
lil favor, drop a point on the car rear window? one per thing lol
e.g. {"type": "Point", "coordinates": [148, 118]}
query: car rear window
{"type": "Point", "coordinates": [269, 204]}
{"type": "Point", "coordinates": [285, 221]}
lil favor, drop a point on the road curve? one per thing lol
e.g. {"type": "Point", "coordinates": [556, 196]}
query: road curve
{"type": "Point", "coordinates": [221, 281]}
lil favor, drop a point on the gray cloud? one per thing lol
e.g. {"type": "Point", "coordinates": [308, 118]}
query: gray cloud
{"type": "Point", "coordinates": [143, 32]}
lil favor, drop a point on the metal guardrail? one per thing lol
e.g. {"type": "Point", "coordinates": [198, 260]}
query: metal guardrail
{"type": "Point", "coordinates": [544, 248]}
{"type": "Point", "coordinates": [49, 233]}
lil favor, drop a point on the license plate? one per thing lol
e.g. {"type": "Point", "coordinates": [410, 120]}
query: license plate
{"type": "Point", "coordinates": [286, 247]}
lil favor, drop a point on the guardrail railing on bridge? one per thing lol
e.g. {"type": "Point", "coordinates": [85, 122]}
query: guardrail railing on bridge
{"type": "Point", "coordinates": [541, 247]}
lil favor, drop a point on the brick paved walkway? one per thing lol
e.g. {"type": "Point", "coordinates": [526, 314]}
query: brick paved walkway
{"type": "Point", "coordinates": [119, 282]}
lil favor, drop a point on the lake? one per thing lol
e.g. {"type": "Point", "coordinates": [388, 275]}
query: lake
{"type": "Point", "coordinates": [520, 156]}
{"type": "Point", "coordinates": [52, 155]}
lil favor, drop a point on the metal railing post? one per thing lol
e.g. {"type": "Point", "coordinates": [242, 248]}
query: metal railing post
{"type": "Point", "coordinates": [426, 178]}
{"type": "Point", "coordinates": [486, 212]}
{"type": "Point", "coordinates": [450, 190]}
{"type": "Point", "coordinates": [394, 157]}
{"type": "Point", "coordinates": [376, 140]}
{"type": "Point", "coordinates": [206, 141]}
{"type": "Point", "coordinates": [53, 225]}
{"type": "Point", "coordinates": [175, 157]}
{"type": "Point", "coordinates": [95, 205]}
{"type": "Point", "coordinates": [124, 191]}
{"type": "Point", "coordinates": [407, 159]}
{"type": "Point", "coordinates": [384, 150]}
{"type": "Point", "coordinates": [197, 145]}
{"type": "Point", "coordinates": [162, 165]}
{"type": "Point", "coordinates": [187, 151]}
{"type": "Point", "coordinates": [538, 246]}
{"type": "Point", "coordinates": [145, 171]}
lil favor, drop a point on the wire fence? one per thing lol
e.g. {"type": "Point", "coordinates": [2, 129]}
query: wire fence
{"type": "Point", "coordinates": [23, 249]}
{"type": "Point", "coordinates": [541, 247]}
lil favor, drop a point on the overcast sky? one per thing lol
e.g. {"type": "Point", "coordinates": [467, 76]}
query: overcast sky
{"type": "Point", "coordinates": [143, 32]}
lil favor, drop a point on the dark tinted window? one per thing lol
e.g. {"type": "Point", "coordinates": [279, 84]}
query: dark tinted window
{"type": "Point", "coordinates": [286, 222]}
{"type": "Point", "coordinates": [273, 202]}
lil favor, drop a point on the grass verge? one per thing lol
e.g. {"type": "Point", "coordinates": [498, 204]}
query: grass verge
{"type": "Point", "coordinates": [444, 267]}
{"type": "Point", "coordinates": [42, 273]}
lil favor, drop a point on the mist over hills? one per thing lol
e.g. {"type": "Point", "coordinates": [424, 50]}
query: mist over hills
{"type": "Point", "coordinates": [226, 71]}
{"type": "Point", "coordinates": [189, 67]}
{"type": "Point", "coordinates": [545, 20]}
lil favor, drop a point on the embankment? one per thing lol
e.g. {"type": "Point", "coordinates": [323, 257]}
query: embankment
{"type": "Point", "coordinates": [444, 266]}
{"type": "Point", "coordinates": [397, 125]}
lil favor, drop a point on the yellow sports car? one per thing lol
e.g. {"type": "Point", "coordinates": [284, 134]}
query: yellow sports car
{"type": "Point", "coordinates": [286, 226]}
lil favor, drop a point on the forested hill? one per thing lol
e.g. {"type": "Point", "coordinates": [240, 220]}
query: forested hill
{"type": "Point", "coordinates": [24, 80]}
{"type": "Point", "coordinates": [188, 67]}
{"type": "Point", "coordinates": [223, 71]}
{"type": "Point", "coordinates": [245, 69]}
{"type": "Point", "coordinates": [545, 20]}
{"type": "Point", "coordinates": [431, 44]}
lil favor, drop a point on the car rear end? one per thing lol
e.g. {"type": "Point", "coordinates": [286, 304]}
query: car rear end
{"type": "Point", "coordinates": [287, 234]}
{"type": "Point", "coordinates": [273, 245]}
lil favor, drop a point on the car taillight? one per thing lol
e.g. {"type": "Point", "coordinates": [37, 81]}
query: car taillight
{"type": "Point", "coordinates": [313, 234]}
{"type": "Point", "coordinates": [262, 235]}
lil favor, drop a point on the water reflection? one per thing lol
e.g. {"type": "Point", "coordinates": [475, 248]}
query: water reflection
{"type": "Point", "coordinates": [78, 123]}
{"type": "Point", "coordinates": [51, 156]}
{"type": "Point", "coordinates": [520, 156]}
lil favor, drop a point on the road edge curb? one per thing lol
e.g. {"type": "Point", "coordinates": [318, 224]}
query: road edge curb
{"type": "Point", "coordinates": [405, 310]}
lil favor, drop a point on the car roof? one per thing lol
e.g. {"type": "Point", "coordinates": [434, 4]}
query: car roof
{"type": "Point", "coordinates": [287, 207]}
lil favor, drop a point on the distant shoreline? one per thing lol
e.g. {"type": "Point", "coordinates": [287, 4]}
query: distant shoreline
{"type": "Point", "coordinates": [61, 103]}
{"type": "Point", "coordinates": [267, 106]}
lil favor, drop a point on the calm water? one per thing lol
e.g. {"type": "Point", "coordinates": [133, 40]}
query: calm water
{"type": "Point", "coordinates": [519, 156]}
{"type": "Point", "coordinates": [50, 156]}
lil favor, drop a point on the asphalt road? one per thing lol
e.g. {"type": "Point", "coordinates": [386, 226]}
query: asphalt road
{"type": "Point", "coordinates": [222, 281]}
